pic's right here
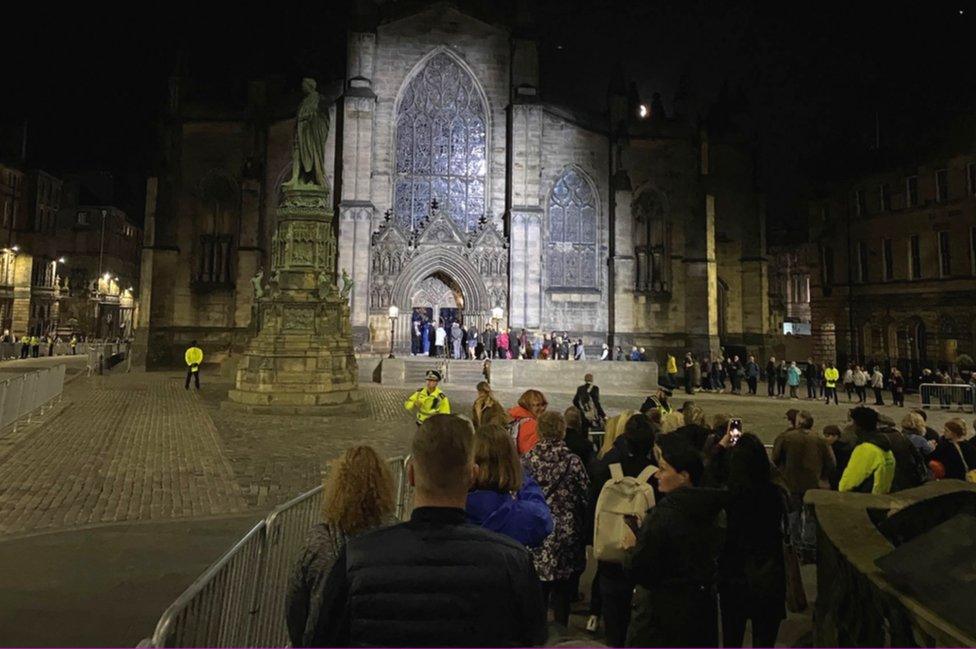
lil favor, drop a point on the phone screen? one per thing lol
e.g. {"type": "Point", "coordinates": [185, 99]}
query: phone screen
{"type": "Point", "coordinates": [735, 430]}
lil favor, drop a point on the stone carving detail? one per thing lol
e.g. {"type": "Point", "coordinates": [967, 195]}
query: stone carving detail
{"type": "Point", "coordinates": [298, 318]}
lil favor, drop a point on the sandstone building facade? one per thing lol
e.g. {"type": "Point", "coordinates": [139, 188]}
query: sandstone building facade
{"type": "Point", "coordinates": [894, 258]}
{"type": "Point", "coordinates": [458, 189]}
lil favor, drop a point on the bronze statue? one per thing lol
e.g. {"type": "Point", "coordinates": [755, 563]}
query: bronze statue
{"type": "Point", "coordinates": [311, 131]}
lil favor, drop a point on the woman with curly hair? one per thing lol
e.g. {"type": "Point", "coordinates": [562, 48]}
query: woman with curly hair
{"type": "Point", "coordinates": [358, 497]}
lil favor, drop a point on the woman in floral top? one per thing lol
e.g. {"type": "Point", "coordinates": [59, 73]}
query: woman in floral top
{"type": "Point", "coordinates": [563, 479]}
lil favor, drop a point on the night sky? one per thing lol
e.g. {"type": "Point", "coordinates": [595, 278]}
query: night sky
{"type": "Point", "coordinates": [808, 80]}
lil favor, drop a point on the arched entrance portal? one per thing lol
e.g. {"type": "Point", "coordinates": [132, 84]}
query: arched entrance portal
{"type": "Point", "coordinates": [437, 299]}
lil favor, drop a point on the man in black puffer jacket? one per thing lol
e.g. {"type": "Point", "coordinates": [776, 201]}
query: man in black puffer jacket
{"type": "Point", "coordinates": [436, 580]}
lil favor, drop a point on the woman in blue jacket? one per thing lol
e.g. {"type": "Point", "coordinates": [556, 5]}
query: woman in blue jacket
{"type": "Point", "coordinates": [502, 499]}
{"type": "Point", "coordinates": [793, 378]}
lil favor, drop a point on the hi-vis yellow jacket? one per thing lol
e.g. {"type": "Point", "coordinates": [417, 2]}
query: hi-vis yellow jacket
{"type": "Point", "coordinates": [193, 357]}
{"type": "Point", "coordinates": [428, 403]}
{"type": "Point", "coordinates": [831, 374]}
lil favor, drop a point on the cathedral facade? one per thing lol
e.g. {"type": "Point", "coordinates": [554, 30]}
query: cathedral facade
{"type": "Point", "coordinates": [458, 190]}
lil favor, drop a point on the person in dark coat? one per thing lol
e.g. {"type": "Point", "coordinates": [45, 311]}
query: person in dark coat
{"type": "Point", "coordinates": [484, 591]}
{"type": "Point", "coordinates": [634, 452]}
{"type": "Point", "coordinates": [358, 498]}
{"type": "Point", "coordinates": [810, 376]}
{"type": "Point", "coordinates": [953, 451]}
{"type": "Point", "coordinates": [576, 441]}
{"type": "Point", "coordinates": [752, 574]}
{"type": "Point", "coordinates": [842, 453]}
{"type": "Point", "coordinates": [587, 399]}
{"type": "Point", "coordinates": [675, 560]}
{"type": "Point", "coordinates": [771, 376]}
{"type": "Point", "coordinates": [561, 559]}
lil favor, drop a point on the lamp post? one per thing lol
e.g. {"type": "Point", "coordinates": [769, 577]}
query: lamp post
{"type": "Point", "coordinates": [393, 315]}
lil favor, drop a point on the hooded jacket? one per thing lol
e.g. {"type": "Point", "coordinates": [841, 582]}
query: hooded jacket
{"type": "Point", "coordinates": [871, 468]}
{"type": "Point", "coordinates": [524, 517]}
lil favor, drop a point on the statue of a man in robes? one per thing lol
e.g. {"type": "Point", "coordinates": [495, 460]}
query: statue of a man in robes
{"type": "Point", "coordinates": [311, 131]}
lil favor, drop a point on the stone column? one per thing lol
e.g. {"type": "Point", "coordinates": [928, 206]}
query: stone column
{"type": "Point", "coordinates": [526, 215]}
{"type": "Point", "coordinates": [701, 280]}
{"type": "Point", "coordinates": [20, 312]}
{"type": "Point", "coordinates": [623, 263]}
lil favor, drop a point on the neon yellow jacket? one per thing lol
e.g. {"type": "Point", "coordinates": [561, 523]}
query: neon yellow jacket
{"type": "Point", "coordinates": [427, 404]}
{"type": "Point", "coordinates": [831, 374]}
{"type": "Point", "coordinates": [672, 365]}
{"type": "Point", "coordinates": [866, 461]}
{"type": "Point", "coordinates": [193, 357]}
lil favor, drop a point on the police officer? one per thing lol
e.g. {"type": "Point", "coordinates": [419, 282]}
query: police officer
{"type": "Point", "coordinates": [429, 400]}
{"type": "Point", "coordinates": [193, 358]}
{"type": "Point", "coordinates": [657, 401]}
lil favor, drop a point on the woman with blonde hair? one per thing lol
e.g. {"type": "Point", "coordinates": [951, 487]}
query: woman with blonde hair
{"type": "Point", "coordinates": [531, 404]}
{"type": "Point", "coordinates": [486, 408]}
{"type": "Point", "coordinates": [357, 497]}
{"type": "Point", "coordinates": [503, 499]}
{"type": "Point", "coordinates": [913, 427]}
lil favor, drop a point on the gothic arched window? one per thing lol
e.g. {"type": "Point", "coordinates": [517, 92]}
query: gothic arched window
{"type": "Point", "coordinates": [571, 246]}
{"type": "Point", "coordinates": [441, 143]}
{"type": "Point", "coordinates": [652, 239]}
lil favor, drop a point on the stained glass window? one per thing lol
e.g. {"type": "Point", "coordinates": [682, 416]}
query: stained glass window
{"type": "Point", "coordinates": [440, 146]}
{"type": "Point", "coordinates": [571, 248]}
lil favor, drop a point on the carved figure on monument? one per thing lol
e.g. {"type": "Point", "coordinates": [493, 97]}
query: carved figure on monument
{"type": "Point", "coordinates": [257, 282]}
{"type": "Point", "coordinates": [347, 284]}
{"type": "Point", "coordinates": [311, 131]}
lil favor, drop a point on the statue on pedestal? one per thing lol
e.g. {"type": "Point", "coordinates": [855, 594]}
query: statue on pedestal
{"type": "Point", "coordinates": [257, 282]}
{"type": "Point", "coordinates": [311, 131]}
{"type": "Point", "coordinates": [347, 284]}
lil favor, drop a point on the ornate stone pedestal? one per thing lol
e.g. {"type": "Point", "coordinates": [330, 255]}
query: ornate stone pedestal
{"type": "Point", "coordinates": [301, 361]}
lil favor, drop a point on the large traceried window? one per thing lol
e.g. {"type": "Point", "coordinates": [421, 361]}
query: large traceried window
{"type": "Point", "coordinates": [441, 143]}
{"type": "Point", "coordinates": [571, 247]}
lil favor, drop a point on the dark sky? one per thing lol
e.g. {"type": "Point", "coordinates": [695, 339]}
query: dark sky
{"type": "Point", "coordinates": [810, 79]}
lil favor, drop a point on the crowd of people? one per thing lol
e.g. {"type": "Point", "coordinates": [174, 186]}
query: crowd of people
{"type": "Point", "coordinates": [507, 500]}
{"type": "Point", "coordinates": [35, 346]}
{"type": "Point", "coordinates": [807, 380]}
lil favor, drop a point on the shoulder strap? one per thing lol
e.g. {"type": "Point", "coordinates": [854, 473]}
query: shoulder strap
{"type": "Point", "coordinates": [646, 474]}
{"type": "Point", "coordinates": [962, 456]}
{"type": "Point", "coordinates": [616, 472]}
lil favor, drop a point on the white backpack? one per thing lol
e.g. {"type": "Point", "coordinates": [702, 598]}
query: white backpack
{"type": "Point", "coordinates": [621, 497]}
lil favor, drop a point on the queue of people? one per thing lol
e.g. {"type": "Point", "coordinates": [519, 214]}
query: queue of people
{"type": "Point", "coordinates": [507, 501]}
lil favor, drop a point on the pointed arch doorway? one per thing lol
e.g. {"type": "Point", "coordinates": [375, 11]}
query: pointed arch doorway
{"type": "Point", "coordinates": [436, 299]}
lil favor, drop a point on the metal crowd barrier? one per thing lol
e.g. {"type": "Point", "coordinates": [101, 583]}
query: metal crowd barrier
{"type": "Point", "coordinates": [239, 601]}
{"type": "Point", "coordinates": [946, 396]}
{"type": "Point", "coordinates": [23, 396]}
{"type": "Point", "coordinates": [13, 351]}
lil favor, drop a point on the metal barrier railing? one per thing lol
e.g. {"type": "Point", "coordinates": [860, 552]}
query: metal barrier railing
{"type": "Point", "coordinates": [947, 396]}
{"type": "Point", "coordinates": [14, 351]}
{"type": "Point", "coordinates": [239, 601]}
{"type": "Point", "coordinates": [29, 393]}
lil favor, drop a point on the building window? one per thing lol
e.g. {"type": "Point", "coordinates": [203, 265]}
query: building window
{"type": "Point", "coordinates": [914, 258]}
{"type": "Point", "coordinates": [911, 191]}
{"type": "Point", "coordinates": [971, 178]}
{"type": "Point", "coordinates": [945, 260]}
{"type": "Point", "coordinates": [859, 206]}
{"type": "Point", "coordinates": [214, 264]}
{"type": "Point", "coordinates": [801, 288]}
{"type": "Point", "coordinates": [887, 260]}
{"type": "Point", "coordinates": [826, 269]}
{"type": "Point", "coordinates": [441, 144]}
{"type": "Point", "coordinates": [885, 198]}
{"type": "Point", "coordinates": [862, 262]}
{"type": "Point", "coordinates": [942, 185]}
{"type": "Point", "coordinates": [82, 218]}
{"type": "Point", "coordinates": [571, 254]}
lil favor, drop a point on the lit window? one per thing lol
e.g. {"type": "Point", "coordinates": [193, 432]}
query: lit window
{"type": "Point", "coordinates": [82, 218]}
{"type": "Point", "coordinates": [642, 111]}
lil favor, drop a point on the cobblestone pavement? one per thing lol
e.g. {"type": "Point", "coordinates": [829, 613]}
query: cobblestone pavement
{"type": "Point", "coordinates": [128, 447]}
{"type": "Point", "coordinates": [121, 449]}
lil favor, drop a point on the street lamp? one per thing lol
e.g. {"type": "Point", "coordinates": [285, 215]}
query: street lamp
{"type": "Point", "coordinates": [393, 315]}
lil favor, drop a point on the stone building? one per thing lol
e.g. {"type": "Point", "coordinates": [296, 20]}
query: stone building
{"type": "Point", "coordinates": [895, 262]}
{"type": "Point", "coordinates": [459, 189]}
{"type": "Point", "coordinates": [50, 259]}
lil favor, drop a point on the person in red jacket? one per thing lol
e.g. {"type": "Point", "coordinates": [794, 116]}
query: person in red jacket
{"type": "Point", "coordinates": [524, 424]}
